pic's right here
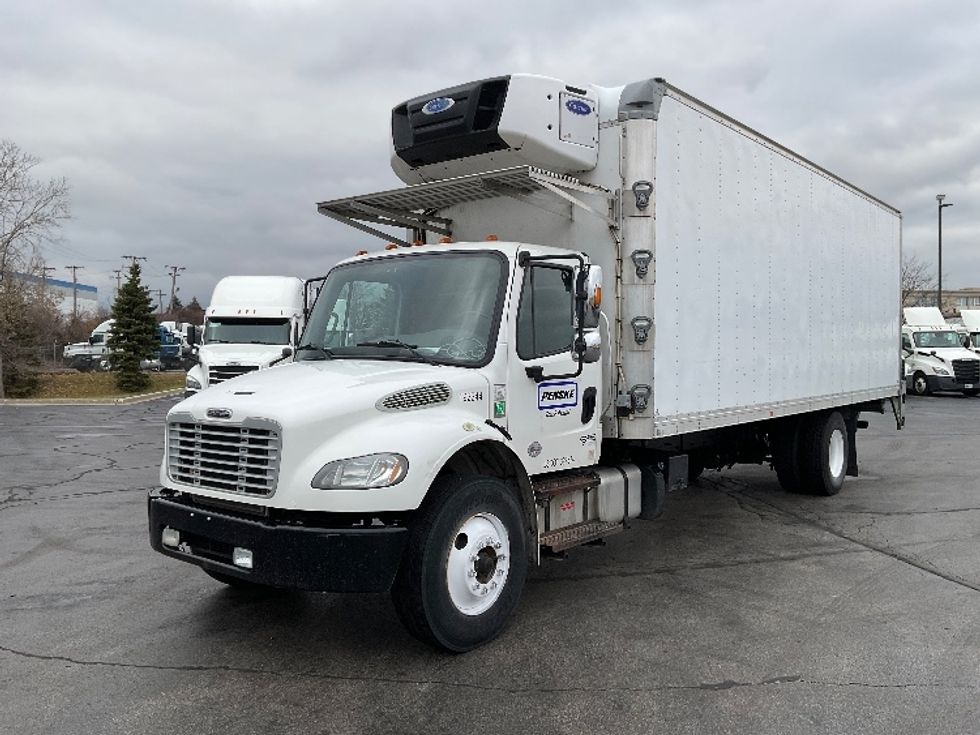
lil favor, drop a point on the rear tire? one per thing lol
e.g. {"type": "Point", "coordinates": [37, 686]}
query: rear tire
{"type": "Point", "coordinates": [823, 454]}
{"type": "Point", "coordinates": [784, 443]}
{"type": "Point", "coordinates": [464, 565]}
{"type": "Point", "coordinates": [971, 393]}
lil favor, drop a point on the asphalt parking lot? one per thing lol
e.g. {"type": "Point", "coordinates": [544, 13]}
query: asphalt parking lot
{"type": "Point", "coordinates": [742, 610]}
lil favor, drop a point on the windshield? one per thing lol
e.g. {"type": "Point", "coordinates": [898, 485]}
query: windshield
{"type": "Point", "coordinates": [439, 308]}
{"type": "Point", "coordinates": [937, 339]}
{"type": "Point", "coordinates": [246, 331]}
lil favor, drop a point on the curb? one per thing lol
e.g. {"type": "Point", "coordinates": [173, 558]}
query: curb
{"type": "Point", "coordinates": [127, 401]}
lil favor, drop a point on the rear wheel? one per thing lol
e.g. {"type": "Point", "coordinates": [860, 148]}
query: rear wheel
{"type": "Point", "coordinates": [972, 392]}
{"type": "Point", "coordinates": [785, 447]}
{"type": "Point", "coordinates": [465, 564]}
{"type": "Point", "coordinates": [823, 453]}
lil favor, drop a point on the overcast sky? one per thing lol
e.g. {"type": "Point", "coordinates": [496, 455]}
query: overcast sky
{"type": "Point", "coordinates": [201, 133]}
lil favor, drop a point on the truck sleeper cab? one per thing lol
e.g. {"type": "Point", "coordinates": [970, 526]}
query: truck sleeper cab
{"type": "Point", "coordinates": [539, 379]}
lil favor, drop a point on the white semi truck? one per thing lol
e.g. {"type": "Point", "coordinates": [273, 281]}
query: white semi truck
{"type": "Point", "coordinates": [527, 369]}
{"type": "Point", "coordinates": [971, 320]}
{"type": "Point", "coordinates": [249, 323]}
{"type": "Point", "coordinates": [935, 358]}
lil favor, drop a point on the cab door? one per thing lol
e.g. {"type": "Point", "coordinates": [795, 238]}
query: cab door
{"type": "Point", "coordinates": [554, 421]}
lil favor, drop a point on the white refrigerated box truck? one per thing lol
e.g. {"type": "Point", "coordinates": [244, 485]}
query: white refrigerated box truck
{"type": "Point", "coordinates": [528, 369]}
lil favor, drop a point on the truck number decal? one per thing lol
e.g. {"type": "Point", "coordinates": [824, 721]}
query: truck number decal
{"type": "Point", "coordinates": [553, 463]}
{"type": "Point", "coordinates": [557, 394]}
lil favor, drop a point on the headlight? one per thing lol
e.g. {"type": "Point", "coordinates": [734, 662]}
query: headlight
{"type": "Point", "coordinates": [357, 473]}
{"type": "Point", "coordinates": [941, 371]}
{"type": "Point", "coordinates": [191, 383]}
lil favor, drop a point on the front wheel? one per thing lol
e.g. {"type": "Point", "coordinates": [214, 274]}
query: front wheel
{"type": "Point", "coordinates": [464, 565]}
{"type": "Point", "coordinates": [920, 385]}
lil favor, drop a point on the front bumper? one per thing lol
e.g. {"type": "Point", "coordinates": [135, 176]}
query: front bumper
{"type": "Point", "coordinates": [944, 383]}
{"type": "Point", "coordinates": [291, 556]}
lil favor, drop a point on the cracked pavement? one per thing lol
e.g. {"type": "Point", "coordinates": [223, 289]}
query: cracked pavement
{"type": "Point", "coordinates": [743, 609]}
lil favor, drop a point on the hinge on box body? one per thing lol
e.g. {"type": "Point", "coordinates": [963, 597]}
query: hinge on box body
{"type": "Point", "coordinates": [634, 401]}
{"type": "Point", "coordinates": [641, 328]}
{"type": "Point", "coordinates": [641, 260]}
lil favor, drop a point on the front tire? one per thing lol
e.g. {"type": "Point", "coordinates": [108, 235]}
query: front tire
{"type": "Point", "coordinates": [465, 564]}
{"type": "Point", "coordinates": [920, 384]}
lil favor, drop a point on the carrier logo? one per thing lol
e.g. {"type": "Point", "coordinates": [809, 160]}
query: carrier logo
{"type": "Point", "coordinates": [577, 107]}
{"type": "Point", "coordinates": [558, 394]}
{"type": "Point", "coordinates": [439, 104]}
{"type": "Point", "coordinates": [219, 413]}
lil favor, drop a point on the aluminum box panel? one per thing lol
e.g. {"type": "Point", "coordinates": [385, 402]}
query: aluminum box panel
{"type": "Point", "coordinates": [775, 283]}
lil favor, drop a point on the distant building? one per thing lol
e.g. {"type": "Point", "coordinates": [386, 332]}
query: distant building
{"type": "Point", "coordinates": [954, 299]}
{"type": "Point", "coordinates": [64, 293]}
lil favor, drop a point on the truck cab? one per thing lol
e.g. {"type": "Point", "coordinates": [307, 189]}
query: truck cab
{"type": "Point", "coordinates": [85, 356]}
{"type": "Point", "coordinates": [249, 323]}
{"type": "Point", "coordinates": [971, 321]}
{"type": "Point", "coordinates": [934, 355]}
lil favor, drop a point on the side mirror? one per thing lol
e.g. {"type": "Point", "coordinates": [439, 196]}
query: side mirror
{"type": "Point", "coordinates": [91, 340]}
{"type": "Point", "coordinates": [193, 336]}
{"type": "Point", "coordinates": [589, 347]}
{"type": "Point", "coordinates": [287, 352]}
{"type": "Point", "coordinates": [592, 288]}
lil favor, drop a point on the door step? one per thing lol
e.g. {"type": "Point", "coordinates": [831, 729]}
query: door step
{"type": "Point", "coordinates": [580, 533]}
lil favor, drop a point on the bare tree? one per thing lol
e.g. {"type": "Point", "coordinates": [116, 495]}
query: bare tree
{"type": "Point", "coordinates": [31, 211]}
{"type": "Point", "coordinates": [917, 280]}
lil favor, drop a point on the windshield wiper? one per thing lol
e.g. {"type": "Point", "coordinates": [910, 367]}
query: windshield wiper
{"type": "Point", "coordinates": [324, 353]}
{"type": "Point", "coordinates": [398, 343]}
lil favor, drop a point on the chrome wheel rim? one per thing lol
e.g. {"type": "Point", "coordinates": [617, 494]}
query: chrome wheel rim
{"type": "Point", "coordinates": [836, 453]}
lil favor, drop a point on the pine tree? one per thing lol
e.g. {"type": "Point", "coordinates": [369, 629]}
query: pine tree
{"type": "Point", "coordinates": [134, 335]}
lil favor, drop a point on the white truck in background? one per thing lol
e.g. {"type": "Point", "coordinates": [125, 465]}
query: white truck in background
{"type": "Point", "coordinates": [251, 323]}
{"type": "Point", "coordinates": [935, 358]}
{"type": "Point", "coordinates": [86, 356]}
{"type": "Point", "coordinates": [527, 369]}
{"type": "Point", "coordinates": [971, 320]}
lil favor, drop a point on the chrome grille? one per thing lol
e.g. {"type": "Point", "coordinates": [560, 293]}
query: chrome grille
{"type": "Point", "coordinates": [417, 397]}
{"type": "Point", "coordinates": [234, 459]}
{"type": "Point", "coordinates": [966, 371]}
{"type": "Point", "coordinates": [221, 373]}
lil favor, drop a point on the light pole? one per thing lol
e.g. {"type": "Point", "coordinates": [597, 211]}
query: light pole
{"type": "Point", "coordinates": [939, 291]}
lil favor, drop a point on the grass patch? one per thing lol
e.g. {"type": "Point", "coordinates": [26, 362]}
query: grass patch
{"type": "Point", "coordinates": [100, 385]}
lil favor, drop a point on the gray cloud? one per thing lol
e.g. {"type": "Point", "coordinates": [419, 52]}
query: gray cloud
{"type": "Point", "coordinates": [202, 133]}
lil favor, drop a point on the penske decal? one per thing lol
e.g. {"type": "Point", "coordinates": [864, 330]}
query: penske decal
{"type": "Point", "coordinates": [557, 394]}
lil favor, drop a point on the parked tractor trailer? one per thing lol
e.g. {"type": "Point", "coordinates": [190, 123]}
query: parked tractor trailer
{"type": "Point", "coordinates": [588, 296]}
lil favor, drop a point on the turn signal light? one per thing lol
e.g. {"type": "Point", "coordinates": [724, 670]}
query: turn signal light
{"type": "Point", "coordinates": [597, 297]}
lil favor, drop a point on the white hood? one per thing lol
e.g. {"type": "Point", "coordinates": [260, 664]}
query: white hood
{"type": "Point", "coordinates": [303, 393]}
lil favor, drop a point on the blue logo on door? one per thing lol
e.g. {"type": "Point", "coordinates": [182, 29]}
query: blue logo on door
{"type": "Point", "coordinates": [439, 104]}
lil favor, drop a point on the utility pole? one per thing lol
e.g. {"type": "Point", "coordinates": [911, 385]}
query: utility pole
{"type": "Point", "coordinates": [134, 258]}
{"type": "Point", "coordinates": [74, 289]}
{"type": "Point", "coordinates": [44, 277]}
{"type": "Point", "coordinates": [174, 272]}
{"type": "Point", "coordinates": [159, 293]}
{"type": "Point", "coordinates": [939, 291]}
{"type": "Point", "coordinates": [118, 275]}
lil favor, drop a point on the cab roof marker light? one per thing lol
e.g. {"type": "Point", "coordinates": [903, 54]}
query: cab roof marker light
{"type": "Point", "coordinates": [361, 252]}
{"type": "Point", "coordinates": [491, 238]}
{"type": "Point", "coordinates": [391, 246]}
{"type": "Point", "coordinates": [445, 240]}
